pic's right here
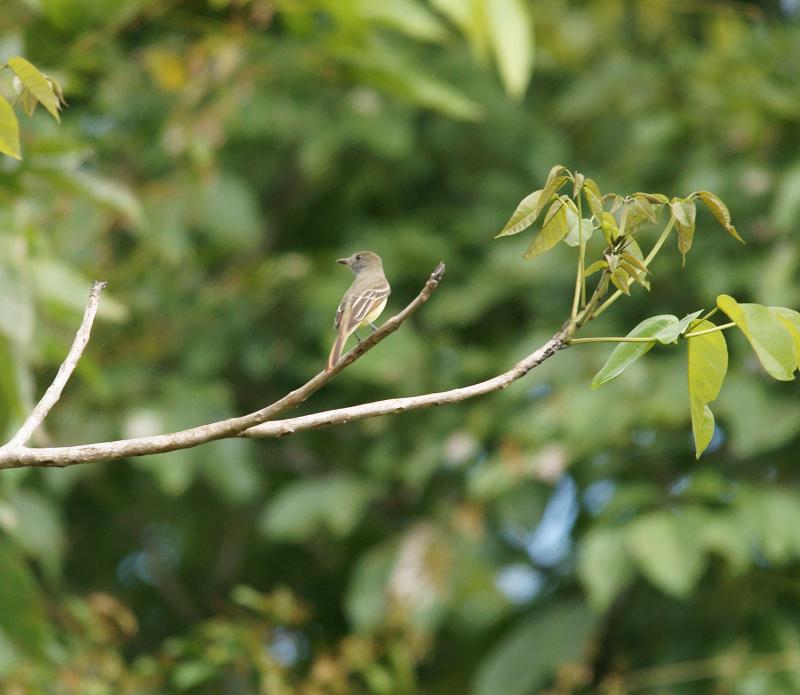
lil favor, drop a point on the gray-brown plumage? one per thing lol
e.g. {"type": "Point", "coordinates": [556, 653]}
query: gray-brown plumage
{"type": "Point", "coordinates": [363, 302]}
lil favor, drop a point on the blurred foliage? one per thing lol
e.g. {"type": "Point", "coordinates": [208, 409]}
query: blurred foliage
{"type": "Point", "coordinates": [216, 156]}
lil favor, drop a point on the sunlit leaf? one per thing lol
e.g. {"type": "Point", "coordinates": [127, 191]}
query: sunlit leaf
{"type": "Point", "coordinates": [707, 367]}
{"type": "Point", "coordinates": [625, 354]}
{"type": "Point", "coordinates": [408, 16]}
{"type": "Point", "coordinates": [511, 36]}
{"type": "Point", "coordinates": [768, 336]}
{"type": "Point", "coordinates": [37, 84]}
{"type": "Point", "coordinates": [791, 321]}
{"type": "Point", "coordinates": [720, 212]}
{"type": "Point", "coordinates": [553, 230]}
{"type": "Point", "coordinates": [9, 130]}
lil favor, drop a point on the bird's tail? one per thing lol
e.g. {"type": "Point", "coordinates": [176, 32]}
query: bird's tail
{"type": "Point", "coordinates": [336, 350]}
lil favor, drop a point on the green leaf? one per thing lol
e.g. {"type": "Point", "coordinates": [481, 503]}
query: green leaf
{"type": "Point", "coordinates": [407, 16]}
{"type": "Point", "coordinates": [577, 234]}
{"type": "Point", "coordinates": [511, 35]}
{"type": "Point", "coordinates": [37, 84]}
{"type": "Point", "coordinates": [609, 226]}
{"type": "Point", "coordinates": [553, 230]}
{"type": "Point", "coordinates": [530, 652]}
{"type": "Point", "coordinates": [707, 367]}
{"type": "Point", "coordinates": [791, 321]}
{"type": "Point", "coordinates": [594, 199]}
{"type": "Point", "coordinates": [9, 130]}
{"type": "Point", "coordinates": [37, 529]}
{"type": "Point", "coordinates": [720, 211]}
{"type": "Point", "coordinates": [619, 278]}
{"type": "Point", "coordinates": [603, 565]}
{"type": "Point", "coordinates": [190, 674]}
{"type": "Point", "coordinates": [21, 610]}
{"type": "Point", "coordinates": [768, 336]}
{"type": "Point", "coordinates": [667, 551]}
{"type": "Point", "coordinates": [531, 207]}
{"type": "Point", "coordinates": [625, 354]}
{"type": "Point", "coordinates": [594, 267]}
{"type": "Point", "coordinates": [309, 507]}
{"type": "Point", "coordinates": [671, 333]}
{"type": "Point", "coordinates": [524, 216]}
{"type": "Point", "coordinates": [684, 212]}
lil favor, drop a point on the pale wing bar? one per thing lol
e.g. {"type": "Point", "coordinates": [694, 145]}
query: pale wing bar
{"type": "Point", "coordinates": [367, 302]}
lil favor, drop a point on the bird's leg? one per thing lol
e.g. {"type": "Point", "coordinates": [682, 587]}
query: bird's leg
{"type": "Point", "coordinates": [358, 338]}
{"type": "Point", "coordinates": [374, 327]}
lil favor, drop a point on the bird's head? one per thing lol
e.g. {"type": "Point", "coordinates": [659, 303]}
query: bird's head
{"type": "Point", "coordinates": [363, 260]}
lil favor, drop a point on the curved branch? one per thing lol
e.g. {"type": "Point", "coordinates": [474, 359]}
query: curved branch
{"type": "Point", "coordinates": [20, 456]}
{"type": "Point", "coordinates": [282, 428]}
{"type": "Point", "coordinates": [53, 393]}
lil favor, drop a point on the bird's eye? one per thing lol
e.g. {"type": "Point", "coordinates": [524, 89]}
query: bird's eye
{"type": "Point", "coordinates": [358, 257]}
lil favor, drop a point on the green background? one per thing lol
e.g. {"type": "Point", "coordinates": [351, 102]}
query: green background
{"type": "Point", "coordinates": [214, 160]}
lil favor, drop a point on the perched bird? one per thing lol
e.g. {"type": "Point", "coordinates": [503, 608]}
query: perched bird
{"type": "Point", "coordinates": [363, 302]}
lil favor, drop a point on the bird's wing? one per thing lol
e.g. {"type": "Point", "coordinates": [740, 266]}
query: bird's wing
{"type": "Point", "coordinates": [366, 302]}
{"type": "Point", "coordinates": [338, 318]}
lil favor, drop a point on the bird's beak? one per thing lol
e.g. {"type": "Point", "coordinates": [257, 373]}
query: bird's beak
{"type": "Point", "coordinates": [343, 261]}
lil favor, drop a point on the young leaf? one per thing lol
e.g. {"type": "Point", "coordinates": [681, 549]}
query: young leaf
{"type": "Point", "coordinates": [619, 278]}
{"type": "Point", "coordinates": [37, 84]}
{"type": "Point", "coordinates": [511, 35]}
{"type": "Point", "coordinates": [625, 354]}
{"type": "Point", "coordinates": [684, 213]}
{"type": "Point", "coordinates": [524, 216]}
{"type": "Point", "coordinates": [768, 336]}
{"type": "Point", "coordinates": [594, 267]}
{"type": "Point", "coordinates": [609, 226]}
{"type": "Point", "coordinates": [577, 184]}
{"type": "Point", "coordinates": [707, 366]}
{"type": "Point", "coordinates": [638, 277]}
{"type": "Point", "coordinates": [575, 233]}
{"type": "Point", "coordinates": [671, 333]}
{"type": "Point", "coordinates": [595, 201]}
{"type": "Point", "coordinates": [9, 130]}
{"type": "Point", "coordinates": [553, 230]}
{"type": "Point", "coordinates": [720, 211]}
{"type": "Point", "coordinates": [791, 321]}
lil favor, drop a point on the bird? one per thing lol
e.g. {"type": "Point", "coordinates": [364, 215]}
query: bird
{"type": "Point", "coordinates": [363, 302]}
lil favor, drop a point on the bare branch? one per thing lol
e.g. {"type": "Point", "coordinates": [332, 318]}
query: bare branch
{"type": "Point", "coordinates": [282, 428]}
{"type": "Point", "coordinates": [53, 393]}
{"type": "Point", "coordinates": [20, 456]}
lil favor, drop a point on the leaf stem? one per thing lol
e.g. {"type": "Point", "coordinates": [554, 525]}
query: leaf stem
{"type": "Point", "coordinates": [709, 314]}
{"type": "Point", "coordinates": [579, 299]}
{"type": "Point", "coordinates": [611, 339]}
{"type": "Point", "coordinates": [626, 339]}
{"type": "Point", "coordinates": [650, 256]}
{"type": "Point", "coordinates": [705, 331]}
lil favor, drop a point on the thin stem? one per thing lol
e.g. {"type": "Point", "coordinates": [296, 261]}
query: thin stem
{"type": "Point", "coordinates": [721, 327]}
{"type": "Point", "coordinates": [626, 339]}
{"type": "Point", "coordinates": [709, 314]}
{"type": "Point", "coordinates": [611, 339]}
{"type": "Point", "coordinates": [579, 299]}
{"type": "Point", "coordinates": [650, 256]}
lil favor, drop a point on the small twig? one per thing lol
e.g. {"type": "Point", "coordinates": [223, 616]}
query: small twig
{"type": "Point", "coordinates": [53, 393]}
{"type": "Point", "coordinates": [19, 456]}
